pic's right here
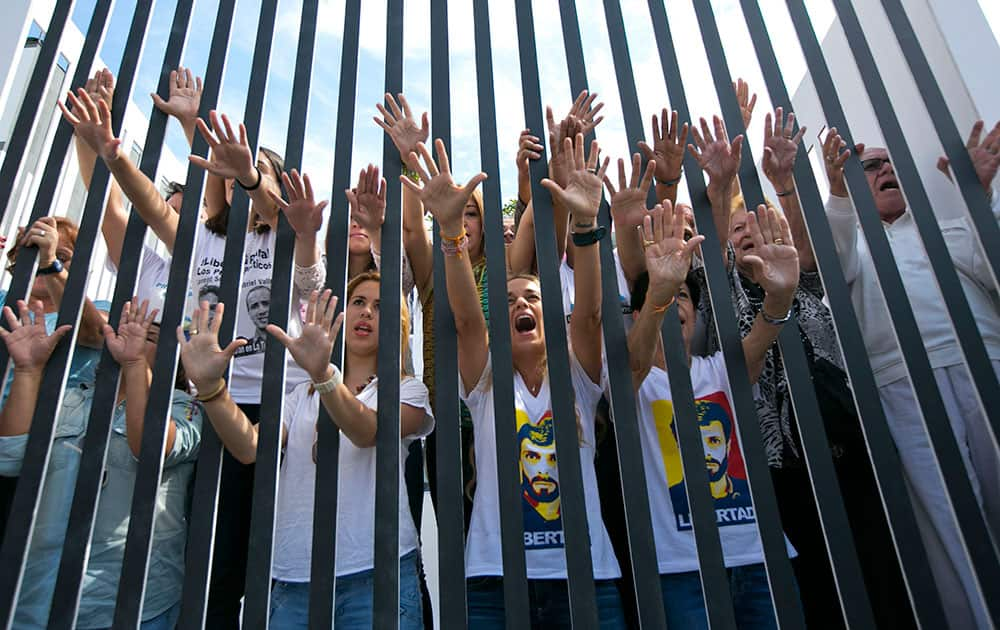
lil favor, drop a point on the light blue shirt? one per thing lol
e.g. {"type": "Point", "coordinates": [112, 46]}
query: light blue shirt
{"type": "Point", "coordinates": [100, 583]}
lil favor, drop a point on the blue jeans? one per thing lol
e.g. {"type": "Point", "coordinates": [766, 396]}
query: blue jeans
{"type": "Point", "coordinates": [166, 620]}
{"type": "Point", "coordinates": [685, 607]}
{"type": "Point", "coordinates": [548, 605]}
{"type": "Point", "coordinates": [353, 604]}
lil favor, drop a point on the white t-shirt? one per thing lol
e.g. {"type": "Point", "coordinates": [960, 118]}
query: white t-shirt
{"type": "Point", "coordinates": [254, 305]}
{"type": "Point", "coordinates": [543, 532]}
{"type": "Point", "coordinates": [668, 503]}
{"type": "Point", "coordinates": [293, 531]}
{"type": "Point", "coordinates": [567, 278]}
{"type": "Point", "coordinates": [154, 271]}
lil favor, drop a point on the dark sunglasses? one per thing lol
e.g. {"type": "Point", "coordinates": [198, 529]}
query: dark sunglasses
{"type": "Point", "coordinates": [874, 164]}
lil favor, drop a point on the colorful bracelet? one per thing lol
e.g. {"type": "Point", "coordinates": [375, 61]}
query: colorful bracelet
{"type": "Point", "coordinates": [411, 174]}
{"type": "Point", "coordinates": [663, 309]}
{"type": "Point", "coordinates": [454, 245]}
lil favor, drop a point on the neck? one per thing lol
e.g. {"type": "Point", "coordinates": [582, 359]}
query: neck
{"type": "Point", "coordinates": [358, 367]}
{"type": "Point", "coordinates": [529, 366]}
{"type": "Point", "coordinates": [890, 217]}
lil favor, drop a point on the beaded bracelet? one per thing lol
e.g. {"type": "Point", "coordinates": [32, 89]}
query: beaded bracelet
{"type": "Point", "coordinates": [454, 245]}
{"type": "Point", "coordinates": [411, 174]}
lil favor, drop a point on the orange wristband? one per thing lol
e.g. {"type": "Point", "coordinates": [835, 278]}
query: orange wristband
{"type": "Point", "coordinates": [663, 309]}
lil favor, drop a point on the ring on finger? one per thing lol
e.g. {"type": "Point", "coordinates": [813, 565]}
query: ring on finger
{"type": "Point", "coordinates": [194, 331]}
{"type": "Point", "coordinates": [647, 242]}
{"type": "Point", "coordinates": [779, 241]}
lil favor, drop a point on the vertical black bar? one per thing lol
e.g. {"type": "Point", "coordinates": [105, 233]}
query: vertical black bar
{"type": "Point", "coordinates": [51, 176]}
{"type": "Point", "coordinates": [515, 572]}
{"type": "Point", "coordinates": [205, 502]}
{"type": "Point", "coordinates": [971, 525]}
{"type": "Point", "coordinates": [951, 139]}
{"type": "Point", "coordinates": [788, 607]}
{"type": "Point", "coordinates": [885, 461]}
{"type": "Point", "coordinates": [83, 511]}
{"type": "Point", "coordinates": [579, 564]}
{"type": "Point", "coordinates": [31, 481]}
{"type": "Point", "coordinates": [903, 162]}
{"type": "Point", "coordinates": [386, 596]}
{"type": "Point", "coordinates": [257, 597]}
{"type": "Point", "coordinates": [132, 584]}
{"type": "Point", "coordinates": [450, 508]}
{"type": "Point", "coordinates": [21, 132]}
{"type": "Point", "coordinates": [715, 582]}
{"type": "Point", "coordinates": [324, 548]}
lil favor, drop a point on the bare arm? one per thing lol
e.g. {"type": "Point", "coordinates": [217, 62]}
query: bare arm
{"type": "Point", "coordinates": [720, 159]}
{"type": "Point", "coordinates": [628, 207]}
{"type": "Point", "coordinates": [668, 153]}
{"type": "Point", "coordinates": [780, 150]}
{"type": "Point", "coordinates": [521, 258]}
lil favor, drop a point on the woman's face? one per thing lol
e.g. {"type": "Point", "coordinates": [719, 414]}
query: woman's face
{"type": "Point", "coordinates": [270, 180]}
{"type": "Point", "coordinates": [524, 310]}
{"type": "Point", "coordinates": [361, 318]}
{"type": "Point", "coordinates": [472, 221]}
{"type": "Point", "coordinates": [358, 242]}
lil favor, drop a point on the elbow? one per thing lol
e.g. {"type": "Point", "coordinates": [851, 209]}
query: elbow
{"type": "Point", "coordinates": [366, 440]}
{"type": "Point", "coordinates": [248, 456]}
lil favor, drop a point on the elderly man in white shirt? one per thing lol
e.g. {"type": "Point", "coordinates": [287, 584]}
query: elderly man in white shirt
{"type": "Point", "coordinates": [952, 573]}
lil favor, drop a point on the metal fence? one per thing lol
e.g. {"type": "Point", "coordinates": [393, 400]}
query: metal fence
{"type": "Point", "coordinates": [855, 601]}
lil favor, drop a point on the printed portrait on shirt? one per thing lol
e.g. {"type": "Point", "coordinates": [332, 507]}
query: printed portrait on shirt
{"type": "Point", "coordinates": [727, 477]}
{"type": "Point", "coordinates": [539, 482]}
{"type": "Point", "coordinates": [252, 327]}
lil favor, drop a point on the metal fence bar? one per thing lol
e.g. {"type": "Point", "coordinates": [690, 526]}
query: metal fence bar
{"type": "Point", "coordinates": [256, 609]}
{"type": "Point", "coordinates": [452, 610]}
{"type": "Point", "coordinates": [515, 580]}
{"type": "Point", "coordinates": [579, 564]}
{"type": "Point", "coordinates": [26, 116]}
{"type": "Point", "coordinates": [83, 512]}
{"type": "Point", "coordinates": [968, 516]}
{"type": "Point", "coordinates": [30, 484]}
{"type": "Point", "coordinates": [951, 139]}
{"type": "Point", "coordinates": [24, 273]}
{"type": "Point", "coordinates": [387, 463]}
{"type": "Point", "coordinates": [895, 498]}
{"type": "Point", "coordinates": [788, 607]}
{"type": "Point", "coordinates": [206, 489]}
{"type": "Point", "coordinates": [322, 582]}
{"type": "Point", "coordinates": [715, 581]}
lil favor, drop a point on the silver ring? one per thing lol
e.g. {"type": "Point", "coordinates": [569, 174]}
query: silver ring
{"type": "Point", "coordinates": [40, 232]}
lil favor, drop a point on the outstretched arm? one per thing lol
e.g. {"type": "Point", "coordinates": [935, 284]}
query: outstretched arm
{"type": "Point", "coordinates": [446, 201]}
{"type": "Point", "coordinates": [628, 207]}
{"type": "Point", "coordinates": [780, 150]}
{"type": "Point", "coordinates": [720, 159]}
{"type": "Point", "coordinates": [668, 153]}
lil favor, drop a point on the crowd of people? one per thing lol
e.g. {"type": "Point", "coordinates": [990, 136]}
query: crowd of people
{"type": "Point", "coordinates": [773, 282]}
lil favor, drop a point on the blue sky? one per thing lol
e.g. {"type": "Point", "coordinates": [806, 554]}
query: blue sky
{"type": "Point", "coordinates": [367, 147]}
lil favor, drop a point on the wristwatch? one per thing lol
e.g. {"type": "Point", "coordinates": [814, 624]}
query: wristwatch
{"type": "Point", "coordinates": [583, 239]}
{"type": "Point", "coordinates": [55, 267]}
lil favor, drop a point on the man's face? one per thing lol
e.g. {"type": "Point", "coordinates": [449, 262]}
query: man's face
{"type": "Point", "coordinates": [883, 183]}
{"type": "Point", "coordinates": [258, 305]}
{"type": "Point", "coordinates": [539, 474]}
{"type": "Point", "coordinates": [716, 449]}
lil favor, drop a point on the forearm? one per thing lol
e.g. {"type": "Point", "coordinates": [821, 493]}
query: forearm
{"type": "Point", "coordinates": [237, 433]}
{"type": "Point", "coordinates": [792, 208]}
{"type": "Point", "coordinates": [722, 205]}
{"type": "Point", "coordinates": [524, 186]}
{"type": "Point", "coordinates": [630, 253]}
{"type": "Point", "coordinates": [215, 194]}
{"type": "Point", "coordinates": [114, 224]}
{"type": "Point", "coordinates": [463, 296]}
{"type": "Point", "coordinates": [643, 338]}
{"type": "Point", "coordinates": [762, 334]}
{"type": "Point", "coordinates": [15, 418]}
{"type": "Point", "coordinates": [664, 191]}
{"type": "Point", "coordinates": [146, 200]}
{"type": "Point", "coordinates": [86, 158]}
{"type": "Point", "coordinates": [306, 252]}
{"type": "Point", "coordinates": [136, 376]}
{"type": "Point", "coordinates": [522, 250]}
{"type": "Point", "coordinates": [416, 240]}
{"type": "Point", "coordinates": [356, 420]}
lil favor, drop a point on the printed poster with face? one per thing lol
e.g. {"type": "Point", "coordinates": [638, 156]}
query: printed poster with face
{"type": "Point", "coordinates": [539, 482]}
{"type": "Point", "coordinates": [724, 464]}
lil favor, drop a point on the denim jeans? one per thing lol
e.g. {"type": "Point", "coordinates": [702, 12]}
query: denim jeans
{"type": "Point", "coordinates": [685, 606]}
{"type": "Point", "coordinates": [549, 603]}
{"type": "Point", "coordinates": [166, 620]}
{"type": "Point", "coordinates": [353, 605]}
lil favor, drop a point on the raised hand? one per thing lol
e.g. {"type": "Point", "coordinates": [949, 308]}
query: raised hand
{"type": "Point", "coordinates": [92, 124]}
{"type": "Point", "coordinates": [628, 203]}
{"type": "Point", "coordinates": [668, 147]}
{"type": "Point", "coordinates": [582, 194]}
{"type": "Point", "coordinates": [835, 154]}
{"type": "Point", "coordinates": [402, 128]}
{"type": "Point", "coordinates": [775, 261]}
{"type": "Point", "coordinates": [184, 96]}
{"type": "Point", "coordinates": [561, 162]}
{"type": "Point", "coordinates": [128, 345]}
{"type": "Point", "coordinates": [304, 214]}
{"type": "Point", "coordinates": [28, 342]}
{"type": "Point", "coordinates": [527, 149]}
{"type": "Point", "coordinates": [437, 190]}
{"type": "Point", "coordinates": [230, 156]}
{"type": "Point", "coordinates": [101, 86]}
{"type": "Point", "coordinates": [746, 101]}
{"type": "Point", "coordinates": [367, 200]}
{"type": "Point", "coordinates": [985, 154]}
{"type": "Point", "coordinates": [312, 349]}
{"type": "Point", "coordinates": [716, 155]}
{"type": "Point", "coordinates": [43, 234]}
{"type": "Point", "coordinates": [204, 361]}
{"type": "Point", "coordinates": [780, 149]}
{"type": "Point", "coordinates": [668, 255]}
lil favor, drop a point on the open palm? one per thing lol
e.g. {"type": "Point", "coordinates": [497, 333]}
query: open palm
{"type": "Point", "coordinates": [28, 342]}
{"type": "Point", "coordinates": [230, 156]}
{"type": "Point", "coordinates": [668, 146]}
{"type": "Point", "coordinates": [628, 202]}
{"type": "Point", "coordinates": [774, 261]}
{"type": "Point", "coordinates": [205, 362]}
{"type": "Point", "coordinates": [582, 193]}
{"type": "Point", "coordinates": [398, 122]}
{"type": "Point", "coordinates": [129, 343]}
{"type": "Point", "coordinates": [716, 155]}
{"type": "Point", "coordinates": [668, 255]}
{"type": "Point", "coordinates": [92, 124]}
{"type": "Point", "coordinates": [304, 214]}
{"type": "Point", "coordinates": [184, 97]}
{"type": "Point", "coordinates": [439, 193]}
{"type": "Point", "coordinates": [780, 147]}
{"type": "Point", "coordinates": [312, 349]}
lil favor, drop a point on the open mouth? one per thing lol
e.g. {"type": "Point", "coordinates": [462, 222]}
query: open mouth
{"type": "Point", "coordinates": [363, 329]}
{"type": "Point", "coordinates": [888, 185]}
{"type": "Point", "coordinates": [524, 323]}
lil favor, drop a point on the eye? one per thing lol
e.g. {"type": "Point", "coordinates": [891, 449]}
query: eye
{"type": "Point", "coordinates": [358, 302]}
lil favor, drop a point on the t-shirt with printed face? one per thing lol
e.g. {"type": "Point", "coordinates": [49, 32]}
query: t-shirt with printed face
{"type": "Point", "coordinates": [293, 530]}
{"type": "Point", "coordinates": [665, 482]}
{"type": "Point", "coordinates": [253, 308]}
{"type": "Point", "coordinates": [540, 502]}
